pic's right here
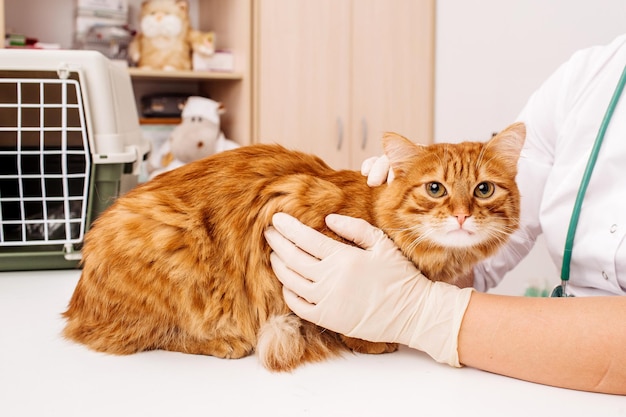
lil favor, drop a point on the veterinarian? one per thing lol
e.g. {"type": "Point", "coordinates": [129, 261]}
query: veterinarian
{"type": "Point", "coordinates": [574, 341]}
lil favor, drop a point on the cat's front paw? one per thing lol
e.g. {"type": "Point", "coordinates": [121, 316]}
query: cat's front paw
{"type": "Point", "coordinates": [363, 346]}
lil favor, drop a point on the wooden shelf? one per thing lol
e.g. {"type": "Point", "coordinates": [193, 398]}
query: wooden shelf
{"type": "Point", "coordinates": [144, 74]}
{"type": "Point", "coordinates": [160, 120]}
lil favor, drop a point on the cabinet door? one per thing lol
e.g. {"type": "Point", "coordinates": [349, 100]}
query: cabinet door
{"type": "Point", "coordinates": [302, 76]}
{"type": "Point", "coordinates": [393, 72]}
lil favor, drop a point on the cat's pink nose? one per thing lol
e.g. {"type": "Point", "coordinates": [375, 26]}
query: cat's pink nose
{"type": "Point", "coordinates": [461, 219]}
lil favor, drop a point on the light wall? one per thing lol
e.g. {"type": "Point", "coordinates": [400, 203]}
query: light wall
{"type": "Point", "coordinates": [492, 54]}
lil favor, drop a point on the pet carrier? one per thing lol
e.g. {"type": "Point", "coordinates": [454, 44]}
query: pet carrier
{"type": "Point", "coordinates": [70, 143]}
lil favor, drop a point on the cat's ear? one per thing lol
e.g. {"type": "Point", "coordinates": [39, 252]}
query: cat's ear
{"type": "Point", "coordinates": [508, 143]}
{"type": "Point", "coordinates": [183, 5]}
{"type": "Point", "coordinates": [400, 151]}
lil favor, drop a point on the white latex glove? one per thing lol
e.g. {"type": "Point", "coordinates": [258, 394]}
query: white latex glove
{"type": "Point", "coordinates": [370, 292]}
{"type": "Point", "coordinates": [378, 170]}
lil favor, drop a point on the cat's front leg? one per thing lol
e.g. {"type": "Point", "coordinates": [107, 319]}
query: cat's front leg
{"type": "Point", "coordinates": [226, 347]}
{"type": "Point", "coordinates": [363, 346]}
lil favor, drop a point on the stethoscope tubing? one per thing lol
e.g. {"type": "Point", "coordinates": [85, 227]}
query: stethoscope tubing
{"type": "Point", "coordinates": [595, 150]}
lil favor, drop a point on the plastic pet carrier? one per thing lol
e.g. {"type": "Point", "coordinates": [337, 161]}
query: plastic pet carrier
{"type": "Point", "coordinates": [70, 143]}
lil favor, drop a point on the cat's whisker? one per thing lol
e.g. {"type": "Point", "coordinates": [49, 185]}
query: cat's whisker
{"type": "Point", "coordinates": [479, 160]}
{"type": "Point", "coordinates": [440, 160]}
{"type": "Point", "coordinates": [421, 238]}
{"type": "Point", "coordinates": [414, 231]}
{"type": "Point", "coordinates": [486, 161]}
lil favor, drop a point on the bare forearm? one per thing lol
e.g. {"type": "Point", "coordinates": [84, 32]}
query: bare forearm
{"type": "Point", "coordinates": [573, 343]}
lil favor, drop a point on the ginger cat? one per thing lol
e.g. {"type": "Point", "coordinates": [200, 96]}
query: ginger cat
{"type": "Point", "coordinates": [180, 263]}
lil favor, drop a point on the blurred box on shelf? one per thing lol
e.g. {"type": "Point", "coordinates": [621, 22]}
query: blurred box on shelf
{"type": "Point", "coordinates": [102, 25]}
{"type": "Point", "coordinates": [220, 61]}
{"type": "Point", "coordinates": [112, 41]}
{"type": "Point", "coordinates": [103, 6]}
{"type": "Point", "coordinates": [163, 104]}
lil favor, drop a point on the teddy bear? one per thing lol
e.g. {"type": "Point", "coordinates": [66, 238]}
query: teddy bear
{"type": "Point", "coordinates": [166, 40]}
{"type": "Point", "coordinates": [197, 136]}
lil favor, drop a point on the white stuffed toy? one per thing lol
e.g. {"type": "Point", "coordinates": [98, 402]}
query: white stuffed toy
{"type": "Point", "coordinates": [197, 136]}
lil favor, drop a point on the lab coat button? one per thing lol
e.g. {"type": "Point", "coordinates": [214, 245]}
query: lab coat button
{"type": "Point", "coordinates": [613, 228]}
{"type": "Point", "coordinates": [605, 275]}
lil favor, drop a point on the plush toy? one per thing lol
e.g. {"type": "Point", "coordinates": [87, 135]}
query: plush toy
{"type": "Point", "coordinates": [166, 40]}
{"type": "Point", "coordinates": [197, 136]}
{"type": "Point", "coordinates": [202, 43]}
{"type": "Point", "coordinates": [163, 42]}
{"type": "Point", "coordinates": [203, 50]}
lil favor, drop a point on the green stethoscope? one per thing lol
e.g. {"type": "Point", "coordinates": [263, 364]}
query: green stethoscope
{"type": "Point", "coordinates": [561, 290]}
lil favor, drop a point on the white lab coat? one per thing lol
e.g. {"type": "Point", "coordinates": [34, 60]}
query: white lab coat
{"type": "Point", "coordinates": [562, 120]}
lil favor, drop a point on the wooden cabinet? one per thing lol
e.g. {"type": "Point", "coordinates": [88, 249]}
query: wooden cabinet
{"type": "Point", "coordinates": [302, 76]}
{"type": "Point", "coordinates": [393, 62]}
{"type": "Point", "coordinates": [331, 76]}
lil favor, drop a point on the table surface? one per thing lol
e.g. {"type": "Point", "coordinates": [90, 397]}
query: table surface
{"type": "Point", "coordinates": [41, 374]}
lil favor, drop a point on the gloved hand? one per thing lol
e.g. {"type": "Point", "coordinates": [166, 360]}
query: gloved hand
{"type": "Point", "coordinates": [378, 170]}
{"type": "Point", "coordinates": [370, 292]}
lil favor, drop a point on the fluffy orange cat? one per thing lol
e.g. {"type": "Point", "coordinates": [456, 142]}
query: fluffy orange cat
{"type": "Point", "coordinates": [180, 263]}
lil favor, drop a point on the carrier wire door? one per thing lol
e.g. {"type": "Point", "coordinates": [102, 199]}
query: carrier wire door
{"type": "Point", "coordinates": [45, 161]}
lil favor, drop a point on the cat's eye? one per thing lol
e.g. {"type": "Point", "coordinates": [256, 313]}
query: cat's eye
{"type": "Point", "coordinates": [484, 190]}
{"type": "Point", "coordinates": [435, 189]}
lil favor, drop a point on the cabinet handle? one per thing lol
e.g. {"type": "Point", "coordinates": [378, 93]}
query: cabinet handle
{"type": "Point", "coordinates": [364, 132]}
{"type": "Point", "coordinates": [339, 133]}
